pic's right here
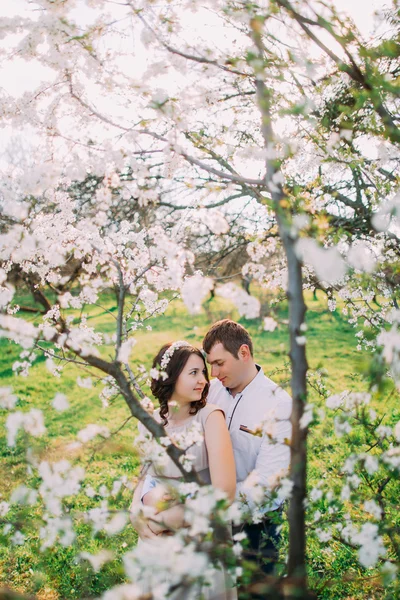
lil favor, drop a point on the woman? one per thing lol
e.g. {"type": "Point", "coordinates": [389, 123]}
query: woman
{"type": "Point", "coordinates": [182, 396]}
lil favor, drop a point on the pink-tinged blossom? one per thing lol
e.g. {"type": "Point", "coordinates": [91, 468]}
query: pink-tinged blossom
{"type": "Point", "coordinates": [147, 404]}
{"type": "Point", "coordinates": [152, 452]}
{"type": "Point", "coordinates": [253, 489]}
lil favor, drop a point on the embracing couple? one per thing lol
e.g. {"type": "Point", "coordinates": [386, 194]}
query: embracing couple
{"type": "Point", "coordinates": [227, 410]}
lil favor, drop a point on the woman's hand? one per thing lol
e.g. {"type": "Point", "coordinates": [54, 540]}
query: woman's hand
{"type": "Point", "coordinates": [168, 520]}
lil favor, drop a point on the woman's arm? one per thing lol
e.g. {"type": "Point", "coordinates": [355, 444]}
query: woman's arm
{"type": "Point", "coordinates": [220, 454]}
{"type": "Point", "coordinates": [138, 522]}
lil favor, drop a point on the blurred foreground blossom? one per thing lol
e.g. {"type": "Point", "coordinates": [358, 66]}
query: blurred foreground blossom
{"type": "Point", "coordinates": [60, 402]}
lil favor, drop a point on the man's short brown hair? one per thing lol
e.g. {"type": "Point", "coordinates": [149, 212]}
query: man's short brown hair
{"type": "Point", "coordinates": [230, 334]}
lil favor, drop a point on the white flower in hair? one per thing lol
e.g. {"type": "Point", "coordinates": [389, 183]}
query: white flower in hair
{"type": "Point", "coordinates": [169, 352]}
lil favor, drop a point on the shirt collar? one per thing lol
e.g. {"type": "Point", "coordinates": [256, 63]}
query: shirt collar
{"type": "Point", "coordinates": [253, 383]}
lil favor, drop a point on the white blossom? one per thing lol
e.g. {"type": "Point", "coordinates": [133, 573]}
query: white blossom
{"type": "Point", "coordinates": [373, 508]}
{"type": "Point", "coordinates": [194, 290]}
{"type": "Point", "coordinates": [342, 426]}
{"type": "Point", "coordinates": [60, 402]}
{"type": "Point", "coordinates": [90, 431]}
{"type": "Point", "coordinates": [23, 495]}
{"type": "Point", "coordinates": [371, 464]}
{"type": "Point", "coordinates": [7, 399]}
{"type": "Point", "coordinates": [18, 538]}
{"type": "Point", "coordinates": [4, 508]}
{"type": "Point", "coordinates": [389, 570]}
{"type": "Point", "coordinates": [360, 257]}
{"type": "Point", "coordinates": [116, 524]}
{"type": "Point", "coordinates": [285, 488]}
{"type": "Point", "coordinates": [323, 535]}
{"type": "Point", "coordinates": [381, 220]}
{"type": "Point", "coordinates": [269, 324]}
{"type": "Point", "coordinates": [248, 306]}
{"type": "Point", "coordinates": [371, 545]}
{"type": "Point", "coordinates": [396, 431]}
{"type": "Point", "coordinates": [84, 383]}
{"type": "Point", "coordinates": [127, 591]}
{"type": "Point", "coordinates": [307, 416]}
{"type": "Point", "coordinates": [327, 263]}
{"type": "Point", "coordinates": [97, 560]}
{"type": "Point", "coordinates": [32, 422]}
{"type": "Point", "coordinates": [125, 350]}
{"type": "Point", "coordinates": [56, 529]}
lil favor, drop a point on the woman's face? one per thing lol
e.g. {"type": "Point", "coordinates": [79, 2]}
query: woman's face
{"type": "Point", "coordinates": [191, 382]}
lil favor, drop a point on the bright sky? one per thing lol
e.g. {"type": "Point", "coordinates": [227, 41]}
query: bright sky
{"type": "Point", "coordinates": [19, 76]}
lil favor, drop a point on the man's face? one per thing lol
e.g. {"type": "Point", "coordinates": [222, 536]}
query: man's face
{"type": "Point", "coordinates": [226, 367]}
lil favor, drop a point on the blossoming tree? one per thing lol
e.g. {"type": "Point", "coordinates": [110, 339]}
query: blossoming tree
{"type": "Point", "coordinates": [150, 141]}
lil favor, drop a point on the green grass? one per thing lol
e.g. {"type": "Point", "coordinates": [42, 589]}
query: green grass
{"type": "Point", "coordinates": [56, 573]}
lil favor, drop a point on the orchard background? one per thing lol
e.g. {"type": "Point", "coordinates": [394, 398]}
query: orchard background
{"type": "Point", "coordinates": [165, 165]}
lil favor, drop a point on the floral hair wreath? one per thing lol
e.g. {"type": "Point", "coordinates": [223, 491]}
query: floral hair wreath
{"type": "Point", "coordinates": [169, 352]}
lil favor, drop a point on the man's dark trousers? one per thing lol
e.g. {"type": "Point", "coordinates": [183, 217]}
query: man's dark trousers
{"type": "Point", "coordinates": [263, 549]}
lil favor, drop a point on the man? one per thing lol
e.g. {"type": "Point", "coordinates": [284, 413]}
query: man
{"type": "Point", "coordinates": [247, 396]}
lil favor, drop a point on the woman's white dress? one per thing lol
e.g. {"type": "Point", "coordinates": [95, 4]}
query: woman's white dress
{"type": "Point", "coordinates": [221, 587]}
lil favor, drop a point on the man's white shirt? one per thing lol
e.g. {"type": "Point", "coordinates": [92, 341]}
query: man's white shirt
{"type": "Point", "coordinates": [262, 400]}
